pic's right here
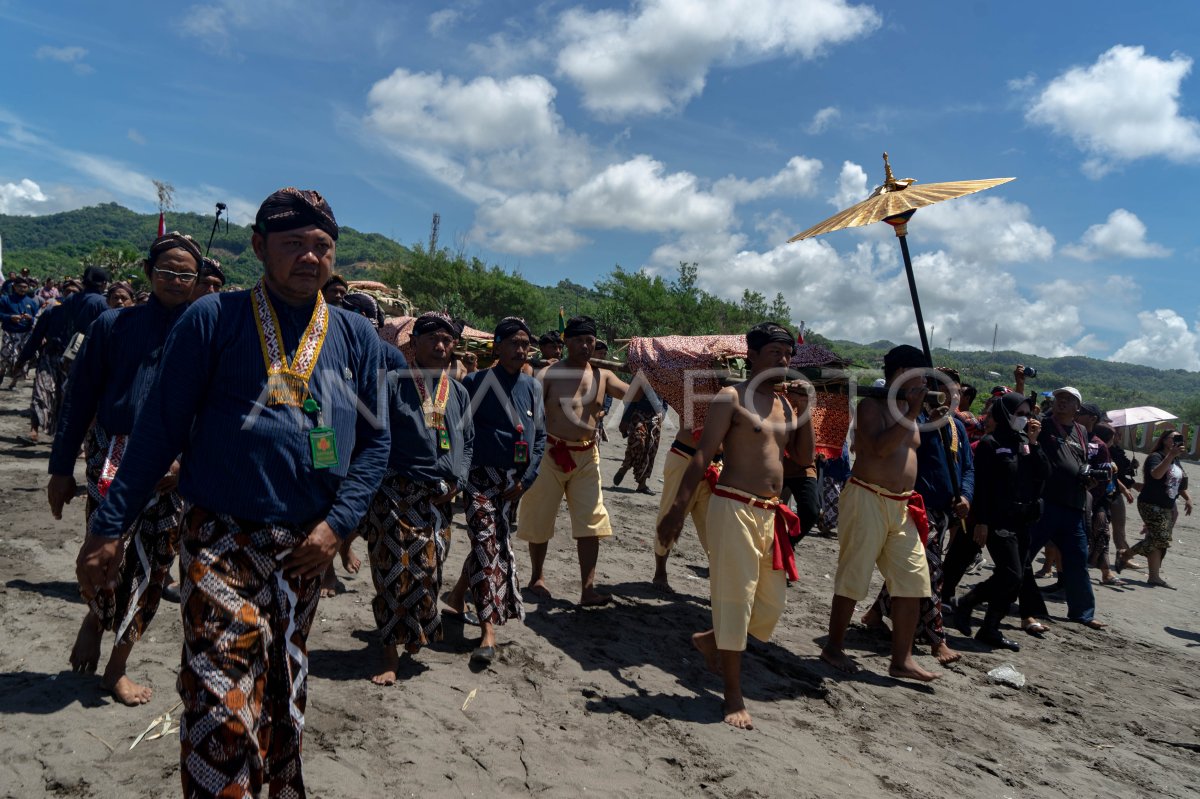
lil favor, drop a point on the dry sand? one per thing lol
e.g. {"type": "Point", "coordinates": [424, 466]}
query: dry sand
{"type": "Point", "coordinates": [613, 701]}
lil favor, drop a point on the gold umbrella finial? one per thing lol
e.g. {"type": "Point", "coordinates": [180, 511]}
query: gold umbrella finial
{"type": "Point", "coordinates": [888, 177]}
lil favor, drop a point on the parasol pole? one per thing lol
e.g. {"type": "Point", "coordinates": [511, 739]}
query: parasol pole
{"type": "Point", "coordinates": [900, 223]}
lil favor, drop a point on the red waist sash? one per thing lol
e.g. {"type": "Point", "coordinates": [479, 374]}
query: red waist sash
{"type": "Point", "coordinates": [916, 506]}
{"type": "Point", "coordinates": [561, 451]}
{"type": "Point", "coordinates": [787, 526]}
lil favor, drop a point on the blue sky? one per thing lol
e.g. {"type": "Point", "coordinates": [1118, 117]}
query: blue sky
{"type": "Point", "coordinates": [561, 138]}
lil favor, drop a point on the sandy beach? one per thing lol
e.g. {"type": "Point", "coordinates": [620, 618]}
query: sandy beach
{"type": "Point", "coordinates": [613, 701]}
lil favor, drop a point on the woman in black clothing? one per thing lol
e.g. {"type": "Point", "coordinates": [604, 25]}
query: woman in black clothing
{"type": "Point", "coordinates": [1009, 471]}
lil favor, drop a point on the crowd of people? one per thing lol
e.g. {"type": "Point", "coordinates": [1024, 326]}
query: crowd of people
{"type": "Point", "coordinates": [254, 434]}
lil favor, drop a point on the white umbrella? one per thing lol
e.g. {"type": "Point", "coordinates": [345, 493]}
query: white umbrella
{"type": "Point", "coordinates": [1127, 417]}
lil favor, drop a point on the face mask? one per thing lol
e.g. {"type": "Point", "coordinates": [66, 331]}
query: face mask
{"type": "Point", "coordinates": [1019, 422]}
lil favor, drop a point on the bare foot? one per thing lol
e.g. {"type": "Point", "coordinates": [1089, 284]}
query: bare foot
{"type": "Point", "coordinates": [737, 716]}
{"type": "Point", "coordinates": [591, 598]}
{"type": "Point", "coordinates": [873, 621]}
{"type": "Point", "coordinates": [330, 584]}
{"type": "Point", "coordinates": [706, 644]}
{"type": "Point", "coordinates": [350, 561]}
{"type": "Point", "coordinates": [660, 582]}
{"type": "Point", "coordinates": [391, 662]}
{"type": "Point", "coordinates": [944, 654]}
{"type": "Point", "coordinates": [33, 436]}
{"type": "Point", "coordinates": [127, 692]}
{"type": "Point", "coordinates": [539, 589]}
{"type": "Point", "coordinates": [85, 654]}
{"type": "Point", "coordinates": [840, 661]}
{"type": "Point", "coordinates": [1095, 625]}
{"type": "Point", "coordinates": [909, 670]}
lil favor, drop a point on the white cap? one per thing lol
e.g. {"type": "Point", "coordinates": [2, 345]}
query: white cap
{"type": "Point", "coordinates": [1074, 392]}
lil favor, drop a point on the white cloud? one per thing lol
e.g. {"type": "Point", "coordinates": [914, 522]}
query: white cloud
{"type": "Point", "coordinates": [443, 19]}
{"type": "Point", "coordinates": [863, 295]}
{"type": "Point", "coordinates": [1123, 235]}
{"type": "Point", "coordinates": [503, 54]}
{"type": "Point", "coordinates": [851, 186]}
{"type": "Point", "coordinates": [985, 230]}
{"type": "Point", "coordinates": [22, 198]}
{"type": "Point", "coordinates": [655, 57]}
{"type": "Point", "coordinates": [1121, 108]}
{"type": "Point", "coordinates": [1022, 83]}
{"type": "Point", "coordinates": [823, 119]}
{"type": "Point", "coordinates": [66, 55]}
{"type": "Point", "coordinates": [1166, 342]}
{"type": "Point", "coordinates": [135, 136]}
{"type": "Point", "coordinates": [797, 179]}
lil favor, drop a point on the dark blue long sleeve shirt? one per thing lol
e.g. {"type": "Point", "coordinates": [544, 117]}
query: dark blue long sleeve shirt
{"type": "Point", "coordinates": [240, 456]}
{"type": "Point", "coordinates": [933, 483]}
{"type": "Point", "coordinates": [415, 452]}
{"type": "Point", "coordinates": [11, 305]}
{"type": "Point", "coordinates": [111, 376]}
{"type": "Point", "coordinates": [75, 315]}
{"type": "Point", "coordinates": [499, 402]}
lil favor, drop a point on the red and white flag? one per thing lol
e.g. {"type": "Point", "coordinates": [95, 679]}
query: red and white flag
{"type": "Point", "coordinates": [162, 224]}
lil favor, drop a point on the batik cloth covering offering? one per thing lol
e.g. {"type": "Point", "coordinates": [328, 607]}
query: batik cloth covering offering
{"type": "Point", "coordinates": [642, 447]}
{"type": "Point", "coordinates": [491, 567]}
{"type": "Point", "coordinates": [244, 677]}
{"type": "Point", "coordinates": [47, 391]}
{"type": "Point", "coordinates": [929, 623]}
{"type": "Point", "coordinates": [287, 383]}
{"type": "Point", "coordinates": [748, 592]}
{"type": "Point", "coordinates": [407, 541]}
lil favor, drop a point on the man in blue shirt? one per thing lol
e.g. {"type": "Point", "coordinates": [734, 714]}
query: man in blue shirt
{"type": "Point", "coordinates": [270, 400]}
{"type": "Point", "coordinates": [946, 481]}
{"type": "Point", "coordinates": [510, 437]}
{"type": "Point", "coordinates": [17, 309]}
{"type": "Point", "coordinates": [109, 382]}
{"type": "Point", "coordinates": [408, 524]}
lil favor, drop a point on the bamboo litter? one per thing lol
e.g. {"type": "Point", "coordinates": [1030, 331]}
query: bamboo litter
{"type": "Point", "coordinates": [168, 725]}
{"type": "Point", "coordinates": [391, 299]}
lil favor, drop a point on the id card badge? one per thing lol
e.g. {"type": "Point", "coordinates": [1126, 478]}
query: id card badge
{"type": "Point", "coordinates": [521, 452]}
{"type": "Point", "coordinates": [323, 442]}
{"type": "Point", "coordinates": [443, 438]}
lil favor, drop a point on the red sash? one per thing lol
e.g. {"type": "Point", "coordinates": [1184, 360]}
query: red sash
{"type": "Point", "coordinates": [560, 451]}
{"type": "Point", "coordinates": [916, 507]}
{"type": "Point", "coordinates": [787, 526]}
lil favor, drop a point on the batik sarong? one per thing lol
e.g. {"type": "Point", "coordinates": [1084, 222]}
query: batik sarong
{"type": "Point", "coordinates": [407, 541]}
{"type": "Point", "coordinates": [10, 348]}
{"type": "Point", "coordinates": [831, 492]}
{"type": "Point", "coordinates": [148, 547]}
{"type": "Point", "coordinates": [490, 567]}
{"type": "Point", "coordinates": [47, 393]}
{"type": "Point", "coordinates": [1099, 536]}
{"type": "Point", "coordinates": [929, 623]}
{"type": "Point", "coordinates": [642, 447]}
{"type": "Point", "coordinates": [244, 677]}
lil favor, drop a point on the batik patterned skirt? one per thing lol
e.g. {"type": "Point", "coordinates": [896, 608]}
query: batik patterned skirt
{"type": "Point", "coordinates": [407, 541]}
{"type": "Point", "coordinates": [47, 392]}
{"type": "Point", "coordinates": [642, 447]}
{"type": "Point", "coordinates": [10, 348]}
{"type": "Point", "coordinates": [244, 676]}
{"type": "Point", "coordinates": [491, 567]}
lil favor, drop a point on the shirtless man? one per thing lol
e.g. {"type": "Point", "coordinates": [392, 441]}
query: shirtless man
{"type": "Point", "coordinates": [755, 425]}
{"type": "Point", "coordinates": [674, 468]}
{"type": "Point", "coordinates": [573, 392]}
{"type": "Point", "coordinates": [881, 515]}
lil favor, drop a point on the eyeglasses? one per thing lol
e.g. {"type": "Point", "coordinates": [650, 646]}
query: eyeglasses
{"type": "Point", "coordinates": [182, 277]}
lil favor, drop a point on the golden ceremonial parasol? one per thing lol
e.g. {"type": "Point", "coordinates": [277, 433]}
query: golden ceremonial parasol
{"type": "Point", "coordinates": [895, 202]}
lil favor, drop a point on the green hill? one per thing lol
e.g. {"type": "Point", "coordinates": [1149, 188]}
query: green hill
{"type": "Point", "coordinates": [56, 244]}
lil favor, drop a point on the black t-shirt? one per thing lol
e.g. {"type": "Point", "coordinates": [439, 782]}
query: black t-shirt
{"type": "Point", "coordinates": [1066, 452]}
{"type": "Point", "coordinates": [1159, 492]}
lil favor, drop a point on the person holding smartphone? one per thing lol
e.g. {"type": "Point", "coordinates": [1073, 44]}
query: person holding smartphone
{"type": "Point", "coordinates": [1165, 481]}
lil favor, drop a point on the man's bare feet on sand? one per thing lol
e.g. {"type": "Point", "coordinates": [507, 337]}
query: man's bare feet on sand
{"type": "Point", "coordinates": [391, 662]}
{"type": "Point", "coordinates": [540, 590]}
{"type": "Point", "coordinates": [126, 691]}
{"type": "Point", "coordinates": [706, 644]}
{"type": "Point", "coordinates": [944, 654]}
{"type": "Point", "coordinates": [85, 654]}
{"type": "Point", "coordinates": [841, 661]}
{"type": "Point", "coordinates": [350, 561]}
{"type": "Point", "coordinates": [873, 621]}
{"type": "Point", "coordinates": [909, 670]}
{"type": "Point", "coordinates": [660, 582]}
{"type": "Point", "coordinates": [736, 716]}
{"type": "Point", "coordinates": [591, 598]}
{"type": "Point", "coordinates": [330, 584]}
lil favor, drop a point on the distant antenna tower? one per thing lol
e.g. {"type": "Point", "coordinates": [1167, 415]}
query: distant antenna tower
{"type": "Point", "coordinates": [433, 232]}
{"type": "Point", "coordinates": [995, 332]}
